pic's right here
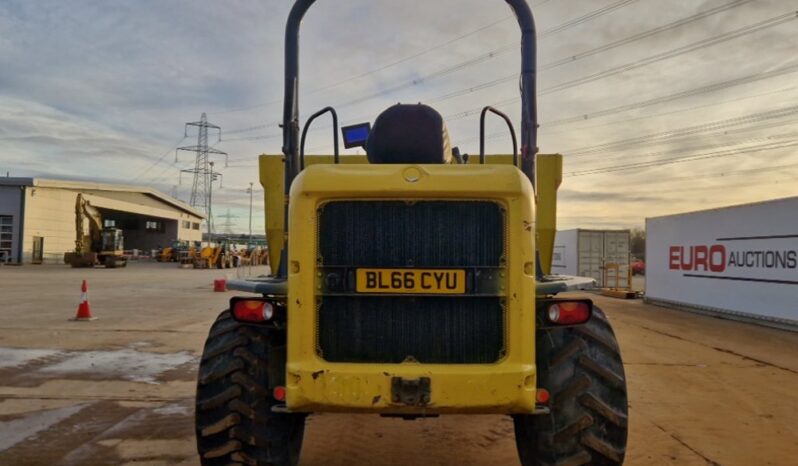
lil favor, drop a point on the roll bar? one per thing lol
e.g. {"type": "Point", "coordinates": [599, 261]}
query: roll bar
{"type": "Point", "coordinates": [321, 112]}
{"type": "Point", "coordinates": [482, 133]}
{"type": "Point", "coordinates": [529, 122]}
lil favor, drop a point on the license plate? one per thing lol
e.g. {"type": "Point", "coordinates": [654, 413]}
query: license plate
{"type": "Point", "coordinates": [411, 281]}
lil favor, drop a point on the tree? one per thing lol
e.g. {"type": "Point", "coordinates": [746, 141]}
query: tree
{"type": "Point", "coordinates": [638, 243]}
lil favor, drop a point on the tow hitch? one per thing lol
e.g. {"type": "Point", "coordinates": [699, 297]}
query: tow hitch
{"type": "Point", "coordinates": [412, 392]}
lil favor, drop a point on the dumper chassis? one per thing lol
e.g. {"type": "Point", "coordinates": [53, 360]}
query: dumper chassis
{"type": "Point", "coordinates": [381, 302]}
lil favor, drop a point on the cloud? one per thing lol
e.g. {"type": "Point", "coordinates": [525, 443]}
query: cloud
{"type": "Point", "coordinates": [102, 90]}
{"type": "Point", "coordinates": [33, 134]}
{"type": "Point", "coordinates": [603, 197]}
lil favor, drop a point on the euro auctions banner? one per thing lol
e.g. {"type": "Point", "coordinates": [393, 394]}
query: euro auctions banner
{"type": "Point", "coordinates": [741, 259]}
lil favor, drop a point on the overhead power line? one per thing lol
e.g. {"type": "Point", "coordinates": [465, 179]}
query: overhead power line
{"type": "Point", "coordinates": [640, 104]}
{"type": "Point", "coordinates": [387, 65]}
{"type": "Point", "coordinates": [686, 131]}
{"type": "Point", "coordinates": [725, 143]}
{"type": "Point", "coordinates": [648, 115]}
{"type": "Point", "coordinates": [714, 188]}
{"type": "Point", "coordinates": [707, 42]}
{"type": "Point", "coordinates": [646, 34]}
{"type": "Point", "coordinates": [675, 96]}
{"type": "Point", "coordinates": [639, 63]}
{"type": "Point", "coordinates": [727, 174]}
{"type": "Point", "coordinates": [637, 105]}
{"type": "Point", "coordinates": [544, 126]}
{"type": "Point", "coordinates": [744, 31]}
{"type": "Point", "coordinates": [714, 87]}
{"type": "Point", "coordinates": [507, 48]}
{"type": "Point", "coordinates": [160, 159]}
{"type": "Point", "coordinates": [632, 194]}
{"type": "Point", "coordinates": [684, 159]}
{"type": "Point", "coordinates": [547, 66]}
{"type": "Point", "coordinates": [449, 70]}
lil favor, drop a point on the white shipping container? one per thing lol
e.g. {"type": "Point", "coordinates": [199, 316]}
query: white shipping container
{"type": "Point", "coordinates": [739, 261]}
{"type": "Point", "coordinates": [585, 253]}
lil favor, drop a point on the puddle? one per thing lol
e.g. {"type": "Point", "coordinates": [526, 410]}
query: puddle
{"type": "Point", "coordinates": [13, 357]}
{"type": "Point", "coordinates": [17, 430]}
{"type": "Point", "coordinates": [126, 364]}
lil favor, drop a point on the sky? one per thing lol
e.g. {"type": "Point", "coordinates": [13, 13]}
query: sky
{"type": "Point", "coordinates": [657, 107]}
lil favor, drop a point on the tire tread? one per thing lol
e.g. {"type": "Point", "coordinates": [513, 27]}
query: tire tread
{"type": "Point", "coordinates": [234, 421]}
{"type": "Point", "coordinates": [588, 419]}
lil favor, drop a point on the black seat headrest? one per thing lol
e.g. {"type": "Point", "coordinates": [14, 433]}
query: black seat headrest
{"type": "Point", "coordinates": [412, 133]}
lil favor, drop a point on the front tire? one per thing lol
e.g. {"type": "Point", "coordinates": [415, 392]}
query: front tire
{"type": "Point", "coordinates": [233, 416]}
{"type": "Point", "coordinates": [581, 368]}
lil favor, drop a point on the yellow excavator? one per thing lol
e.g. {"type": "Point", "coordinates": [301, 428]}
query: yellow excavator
{"type": "Point", "coordinates": [101, 246]}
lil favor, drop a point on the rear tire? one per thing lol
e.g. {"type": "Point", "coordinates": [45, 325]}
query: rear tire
{"type": "Point", "coordinates": [233, 416]}
{"type": "Point", "coordinates": [581, 368]}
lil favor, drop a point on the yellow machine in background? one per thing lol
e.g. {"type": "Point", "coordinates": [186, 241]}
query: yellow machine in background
{"type": "Point", "coordinates": [215, 257]}
{"type": "Point", "coordinates": [413, 281]}
{"type": "Point", "coordinates": [101, 246]}
{"type": "Point", "coordinates": [206, 258]}
{"type": "Point", "coordinates": [209, 257]}
{"type": "Point", "coordinates": [254, 256]}
{"type": "Point", "coordinates": [179, 251]}
{"type": "Point", "coordinates": [166, 255]}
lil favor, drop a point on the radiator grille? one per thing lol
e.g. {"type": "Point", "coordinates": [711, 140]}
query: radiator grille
{"type": "Point", "coordinates": [431, 329]}
{"type": "Point", "coordinates": [426, 329]}
{"type": "Point", "coordinates": [420, 234]}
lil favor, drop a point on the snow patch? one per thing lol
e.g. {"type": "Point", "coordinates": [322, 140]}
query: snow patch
{"type": "Point", "coordinates": [126, 364]}
{"type": "Point", "coordinates": [173, 409]}
{"type": "Point", "coordinates": [13, 357]}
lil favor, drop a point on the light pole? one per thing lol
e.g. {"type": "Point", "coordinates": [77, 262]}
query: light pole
{"type": "Point", "coordinates": [212, 176]}
{"type": "Point", "coordinates": [249, 243]}
{"type": "Point", "coordinates": [210, 202]}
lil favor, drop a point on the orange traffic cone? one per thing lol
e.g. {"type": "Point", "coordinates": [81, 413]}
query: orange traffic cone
{"type": "Point", "coordinates": [84, 312]}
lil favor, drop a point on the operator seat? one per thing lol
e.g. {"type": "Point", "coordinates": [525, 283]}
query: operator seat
{"type": "Point", "coordinates": [409, 133]}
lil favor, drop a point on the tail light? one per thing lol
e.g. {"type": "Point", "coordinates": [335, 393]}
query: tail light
{"type": "Point", "coordinates": [279, 393]}
{"type": "Point", "coordinates": [568, 312]}
{"type": "Point", "coordinates": [542, 396]}
{"type": "Point", "coordinates": [252, 310]}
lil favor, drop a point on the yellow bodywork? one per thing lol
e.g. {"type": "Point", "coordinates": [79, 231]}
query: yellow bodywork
{"type": "Point", "coordinates": [548, 172]}
{"type": "Point", "coordinates": [272, 178]}
{"type": "Point", "coordinates": [314, 384]}
{"type": "Point", "coordinates": [207, 258]}
{"type": "Point", "coordinates": [166, 255]}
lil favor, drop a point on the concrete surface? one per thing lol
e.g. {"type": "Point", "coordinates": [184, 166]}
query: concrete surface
{"type": "Point", "coordinates": [119, 390]}
{"type": "Point", "coordinates": [638, 283]}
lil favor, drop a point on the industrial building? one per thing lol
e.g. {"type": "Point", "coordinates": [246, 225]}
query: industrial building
{"type": "Point", "coordinates": [38, 217]}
